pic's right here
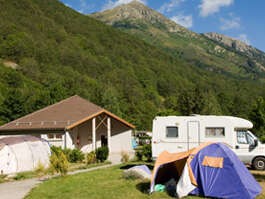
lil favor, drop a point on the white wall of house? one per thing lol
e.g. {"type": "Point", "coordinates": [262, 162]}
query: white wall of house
{"type": "Point", "coordinates": [122, 142]}
{"type": "Point", "coordinates": [59, 142]}
{"type": "Point", "coordinates": [121, 139]}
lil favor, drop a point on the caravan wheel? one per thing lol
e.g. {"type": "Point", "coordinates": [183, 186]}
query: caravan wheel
{"type": "Point", "coordinates": [259, 163]}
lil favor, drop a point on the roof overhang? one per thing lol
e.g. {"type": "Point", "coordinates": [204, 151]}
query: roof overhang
{"type": "Point", "coordinates": [29, 131]}
{"type": "Point", "coordinates": [95, 115]}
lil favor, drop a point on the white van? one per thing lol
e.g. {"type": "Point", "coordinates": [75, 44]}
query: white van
{"type": "Point", "coordinates": [181, 133]}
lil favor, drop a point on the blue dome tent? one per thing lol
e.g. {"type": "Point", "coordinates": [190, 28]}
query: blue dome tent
{"type": "Point", "coordinates": [210, 170]}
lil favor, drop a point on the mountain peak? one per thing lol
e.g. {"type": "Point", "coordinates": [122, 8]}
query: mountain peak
{"type": "Point", "coordinates": [135, 2]}
{"type": "Point", "coordinates": [136, 12]}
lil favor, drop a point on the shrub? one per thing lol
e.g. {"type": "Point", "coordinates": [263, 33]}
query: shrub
{"type": "Point", "coordinates": [124, 157]}
{"type": "Point", "coordinates": [56, 149]}
{"type": "Point", "coordinates": [40, 169]}
{"type": "Point", "coordinates": [20, 176]}
{"type": "Point", "coordinates": [139, 154]}
{"type": "Point", "coordinates": [147, 152]}
{"type": "Point", "coordinates": [76, 155]}
{"type": "Point", "coordinates": [102, 153]}
{"type": "Point", "coordinates": [59, 163]}
{"type": "Point", "coordinates": [67, 153]}
{"type": "Point", "coordinates": [2, 178]}
{"type": "Point", "coordinates": [91, 158]}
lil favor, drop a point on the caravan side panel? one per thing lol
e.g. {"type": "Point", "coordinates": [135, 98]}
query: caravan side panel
{"type": "Point", "coordinates": [163, 135]}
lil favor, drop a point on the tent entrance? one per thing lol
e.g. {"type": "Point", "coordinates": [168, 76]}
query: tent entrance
{"type": "Point", "coordinates": [170, 172]}
{"type": "Point", "coordinates": [193, 134]}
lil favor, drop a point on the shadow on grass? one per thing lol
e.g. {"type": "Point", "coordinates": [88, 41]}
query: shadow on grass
{"type": "Point", "coordinates": [259, 177]}
{"type": "Point", "coordinates": [128, 166]}
{"type": "Point", "coordinates": [143, 187]}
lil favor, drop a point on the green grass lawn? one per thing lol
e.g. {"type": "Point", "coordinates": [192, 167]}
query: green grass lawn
{"type": "Point", "coordinates": [102, 183]}
{"type": "Point", "coordinates": [47, 172]}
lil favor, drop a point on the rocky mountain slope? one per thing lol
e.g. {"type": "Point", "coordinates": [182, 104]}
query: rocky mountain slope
{"type": "Point", "coordinates": [203, 50]}
{"type": "Point", "coordinates": [239, 46]}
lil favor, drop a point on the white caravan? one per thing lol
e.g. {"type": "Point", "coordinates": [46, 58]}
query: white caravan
{"type": "Point", "coordinates": [181, 133]}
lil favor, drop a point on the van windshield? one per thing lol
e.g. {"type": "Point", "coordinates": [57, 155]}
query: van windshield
{"type": "Point", "coordinates": [255, 137]}
{"type": "Point", "coordinates": [245, 137]}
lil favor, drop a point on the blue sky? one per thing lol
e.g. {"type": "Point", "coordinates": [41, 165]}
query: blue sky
{"type": "Point", "coordinates": [240, 19]}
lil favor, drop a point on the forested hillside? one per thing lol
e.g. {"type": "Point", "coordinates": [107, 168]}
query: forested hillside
{"type": "Point", "coordinates": [60, 52]}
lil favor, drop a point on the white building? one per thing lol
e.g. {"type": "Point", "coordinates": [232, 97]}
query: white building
{"type": "Point", "coordinates": [75, 123]}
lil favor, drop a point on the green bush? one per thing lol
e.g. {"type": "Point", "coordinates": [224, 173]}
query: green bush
{"type": "Point", "coordinates": [91, 158]}
{"type": "Point", "coordinates": [56, 149]}
{"type": "Point", "coordinates": [102, 153]}
{"type": "Point", "coordinates": [76, 155]}
{"type": "Point", "coordinates": [67, 153]}
{"type": "Point", "coordinates": [20, 176]}
{"type": "Point", "coordinates": [40, 169]}
{"type": "Point", "coordinates": [139, 154]}
{"type": "Point", "coordinates": [124, 157]}
{"type": "Point", "coordinates": [72, 155]}
{"type": "Point", "coordinates": [59, 163]}
{"type": "Point", "coordinates": [2, 178]}
{"type": "Point", "coordinates": [147, 152]}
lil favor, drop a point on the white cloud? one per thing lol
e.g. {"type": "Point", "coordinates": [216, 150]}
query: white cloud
{"type": "Point", "coordinates": [85, 7]}
{"type": "Point", "coordinates": [168, 7]}
{"type": "Point", "coordinates": [228, 24]}
{"type": "Point", "coordinates": [111, 4]}
{"type": "Point", "coordinates": [244, 38]}
{"type": "Point", "coordinates": [81, 11]}
{"type": "Point", "coordinates": [183, 20]}
{"type": "Point", "coordinates": [68, 5]}
{"type": "Point", "coordinates": [209, 7]}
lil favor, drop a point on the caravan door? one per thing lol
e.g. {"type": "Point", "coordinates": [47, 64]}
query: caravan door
{"type": "Point", "coordinates": [193, 134]}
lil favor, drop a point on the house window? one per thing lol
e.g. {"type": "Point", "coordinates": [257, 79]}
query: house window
{"type": "Point", "coordinates": [215, 132]}
{"type": "Point", "coordinates": [58, 136]}
{"type": "Point", "coordinates": [50, 136]}
{"type": "Point", "coordinates": [172, 132]}
{"type": "Point", "coordinates": [54, 136]}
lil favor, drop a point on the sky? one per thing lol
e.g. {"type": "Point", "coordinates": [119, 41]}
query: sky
{"type": "Point", "coordinates": [240, 19]}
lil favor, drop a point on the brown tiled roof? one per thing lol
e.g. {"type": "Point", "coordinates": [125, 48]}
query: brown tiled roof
{"type": "Point", "coordinates": [63, 115]}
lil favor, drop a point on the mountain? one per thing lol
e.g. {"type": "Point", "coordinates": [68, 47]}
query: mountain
{"type": "Point", "coordinates": [256, 55]}
{"type": "Point", "coordinates": [138, 12]}
{"type": "Point", "coordinates": [203, 50]}
{"type": "Point", "coordinates": [49, 52]}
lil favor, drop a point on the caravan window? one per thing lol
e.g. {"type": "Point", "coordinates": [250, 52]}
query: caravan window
{"type": "Point", "coordinates": [244, 138]}
{"type": "Point", "coordinates": [172, 132]}
{"type": "Point", "coordinates": [215, 132]}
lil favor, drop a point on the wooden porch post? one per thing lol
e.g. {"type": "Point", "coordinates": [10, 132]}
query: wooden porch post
{"type": "Point", "coordinates": [94, 133]}
{"type": "Point", "coordinates": [64, 140]}
{"type": "Point", "coordinates": [109, 133]}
